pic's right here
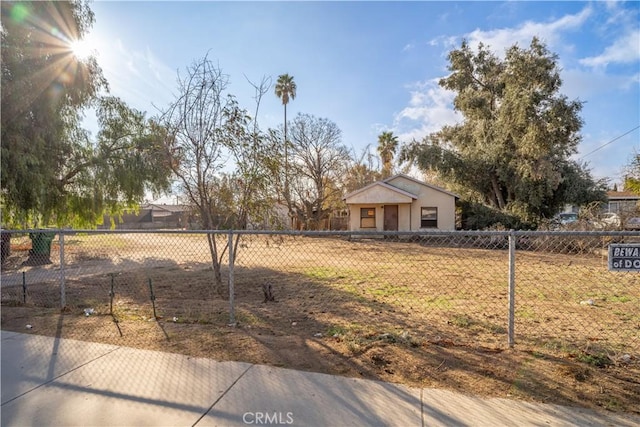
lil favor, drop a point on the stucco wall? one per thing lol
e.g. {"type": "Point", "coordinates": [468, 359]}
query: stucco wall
{"type": "Point", "coordinates": [408, 213]}
{"type": "Point", "coordinates": [377, 195]}
{"type": "Point", "coordinates": [354, 217]}
{"type": "Point", "coordinates": [428, 197]}
{"type": "Point", "coordinates": [445, 203]}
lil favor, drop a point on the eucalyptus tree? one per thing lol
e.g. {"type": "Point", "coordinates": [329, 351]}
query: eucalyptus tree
{"type": "Point", "coordinates": [512, 150]}
{"type": "Point", "coordinates": [387, 146]}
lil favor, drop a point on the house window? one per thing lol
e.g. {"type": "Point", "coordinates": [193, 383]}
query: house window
{"type": "Point", "coordinates": [367, 217]}
{"type": "Point", "coordinates": [429, 217]}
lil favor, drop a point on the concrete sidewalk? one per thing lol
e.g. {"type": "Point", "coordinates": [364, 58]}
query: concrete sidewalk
{"type": "Point", "coordinates": [48, 381]}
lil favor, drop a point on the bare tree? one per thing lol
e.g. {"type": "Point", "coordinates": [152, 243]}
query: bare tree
{"type": "Point", "coordinates": [362, 171]}
{"type": "Point", "coordinates": [318, 162]}
{"type": "Point", "coordinates": [254, 154]}
{"type": "Point", "coordinates": [203, 124]}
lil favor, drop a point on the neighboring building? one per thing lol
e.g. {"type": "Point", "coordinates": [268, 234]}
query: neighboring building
{"type": "Point", "coordinates": [152, 216]}
{"type": "Point", "coordinates": [401, 203]}
{"type": "Point", "coordinates": [274, 218]}
{"type": "Point", "coordinates": [622, 202]}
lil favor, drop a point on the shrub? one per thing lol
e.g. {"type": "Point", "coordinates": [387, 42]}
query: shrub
{"type": "Point", "coordinates": [476, 216]}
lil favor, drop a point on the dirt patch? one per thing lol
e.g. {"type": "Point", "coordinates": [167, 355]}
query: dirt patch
{"type": "Point", "coordinates": [392, 311]}
{"type": "Point", "coordinates": [560, 378]}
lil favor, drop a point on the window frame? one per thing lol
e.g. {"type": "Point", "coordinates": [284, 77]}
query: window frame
{"type": "Point", "coordinates": [429, 223]}
{"type": "Point", "coordinates": [371, 218]}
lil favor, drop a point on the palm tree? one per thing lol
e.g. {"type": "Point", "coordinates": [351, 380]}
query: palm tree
{"type": "Point", "coordinates": [285, 90]}
{"type": "Point", "coordinates": [387, 146]}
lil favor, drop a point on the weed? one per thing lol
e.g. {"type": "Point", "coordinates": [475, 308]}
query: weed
{"type": "Point", "coordinates": [556, 346]}
{"type": "Point", "coordinates": [355, 347]}
{"type": "Point", "coordinates": [525, 313]}
{"type": "Point", "coordinates": [439, 302]}
{"type": "Point", "coordinates": [598, 360]}
{"type": "Point", "coordinates": [335, 330]}
{"type": "Point", "coordinates": [616, 298]}
{"type": "Point", "coordinates": [242, 316]}
{"type": "Point", "coordinates": [386, 290]}
{"type": "Point", "coordinates": [461, 321]}
{"type": "Point", "coordinates": [612, 404]}
{"type": "Point", "coordinates": [322, 273]}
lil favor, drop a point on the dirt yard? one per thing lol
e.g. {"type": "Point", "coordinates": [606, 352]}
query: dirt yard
{"type": "Point", "coordinates": [409, 313]}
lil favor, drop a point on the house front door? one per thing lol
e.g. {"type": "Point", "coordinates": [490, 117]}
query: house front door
{"type": "Point", "coordinates": [390, 217]}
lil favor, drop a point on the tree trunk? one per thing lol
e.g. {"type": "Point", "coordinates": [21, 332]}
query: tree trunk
{"type": "Point", "coordinates": [218, 285]}
{"type": "Point", "coordinates": [287, 195]}
{"type": "Point", "coordinates": [497, 192]}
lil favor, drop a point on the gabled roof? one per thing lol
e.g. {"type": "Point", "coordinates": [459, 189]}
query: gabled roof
{"type": "Point", "coordinates": [383, 185]}
{"type": "Point", "coordinates": [417, 181]}
{"type": "Point", "coordinates": [168, 208]}
{"type": "Point", "coordinates": [622, 195]}
{"type": "Point", "coordinates": [386, 184]}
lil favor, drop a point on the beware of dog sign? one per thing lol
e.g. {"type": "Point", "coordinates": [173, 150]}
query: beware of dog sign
{"type": "Point", "coordinates": [624, 257]}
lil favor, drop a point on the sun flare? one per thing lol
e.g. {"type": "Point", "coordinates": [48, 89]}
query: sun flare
{"type": "Point", "coordinates": [82, 49]}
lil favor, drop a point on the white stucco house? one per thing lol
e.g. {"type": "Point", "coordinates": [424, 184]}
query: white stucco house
{"type": "Point", "coordinates": [401, 203]}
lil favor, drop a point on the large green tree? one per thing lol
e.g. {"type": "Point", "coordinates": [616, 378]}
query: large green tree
{"type": "Point", "coordinates": [53, 172]}
{"type": "Point", "coordinates": [512, 150]}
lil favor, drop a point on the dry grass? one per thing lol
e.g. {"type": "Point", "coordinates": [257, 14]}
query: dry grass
{"type": "Point", "coordinates": [396, 311]}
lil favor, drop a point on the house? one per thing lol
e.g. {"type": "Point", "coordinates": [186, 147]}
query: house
{"type": "Point", "coordinates": [152, 216]}
{"type": "Point", "coordinates": [401, 203]}
{"type": "Point", "coordinates": [622, 202]}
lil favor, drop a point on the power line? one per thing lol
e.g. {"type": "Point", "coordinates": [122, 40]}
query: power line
{"type": "Point", "coordinates": [610, 142]}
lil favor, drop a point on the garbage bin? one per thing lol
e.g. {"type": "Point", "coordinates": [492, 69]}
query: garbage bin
{"type": "Point", "coordinates": [41, 243]}
{"type": "Point", "coordinates": [40, 252]}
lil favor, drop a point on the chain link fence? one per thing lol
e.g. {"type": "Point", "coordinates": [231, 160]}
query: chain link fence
{"type": "Point", "coordinates": [532, 290]}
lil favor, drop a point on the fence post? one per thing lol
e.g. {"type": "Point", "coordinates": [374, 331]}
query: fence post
{"type": "Point", "coordinates": [232, 315]}
{"type": "Point", "coordinates": [63, 291]}
{"type": "Point", "coordinates": [512, 287]}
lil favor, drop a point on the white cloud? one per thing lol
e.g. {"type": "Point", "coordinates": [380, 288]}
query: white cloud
{"type": "Point", "coordinates": [583, 84]}
{"type": "Point", "coordinates": [632, 81]}
{"type": "Point", "coordinates": [446, 41]}
{"type": "Point", "coordinates": [430, 108]}
{"type": "Point", "coordinates": [619, 15]}
{"type": "Point", "coordinates": [550, 32]}
{"type": "Point", "coordinates": [623, 50]}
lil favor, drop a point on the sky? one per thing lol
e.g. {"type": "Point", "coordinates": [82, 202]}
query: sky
{"type": "Point", "coordinates": [374, 66]}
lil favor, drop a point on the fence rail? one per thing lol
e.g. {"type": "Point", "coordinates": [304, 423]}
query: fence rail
{"type": "Point", "coordinates": [482, 288]}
